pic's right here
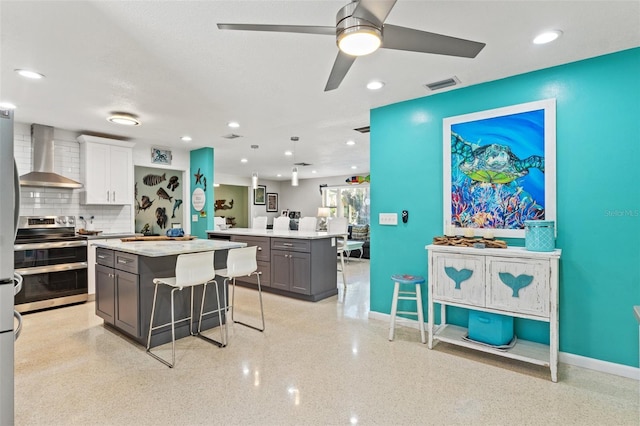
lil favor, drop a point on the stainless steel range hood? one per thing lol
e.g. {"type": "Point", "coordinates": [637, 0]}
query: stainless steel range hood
{"type": "Point", "coordinates": [43, 152]}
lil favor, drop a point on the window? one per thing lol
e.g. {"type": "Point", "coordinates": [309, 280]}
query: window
{"type": "Point", "coordinates": [352, 202]}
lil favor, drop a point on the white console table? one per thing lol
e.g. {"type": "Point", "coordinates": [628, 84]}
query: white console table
{"type": "Point", "coordinates": [511, 281]}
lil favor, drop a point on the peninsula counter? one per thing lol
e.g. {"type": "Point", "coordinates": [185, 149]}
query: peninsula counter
{"type": "Point", "coordinates": [292, 263]}
{"type": "Point", "coordinates": [124, 285]}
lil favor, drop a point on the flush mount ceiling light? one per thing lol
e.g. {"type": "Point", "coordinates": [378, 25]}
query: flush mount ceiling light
{"type": "Point", "coordinates": [30, 74]}
{"type": "Point", "coordinates": [7, 105]}
{"type": "Point", "coordinates": [124, 119]}
{"type": "Point", "coordinates": [186, 139]}
{"type": "Point", "coordinates": [547, 37]}
{"type": "Point", "coordinates": [233, 124]}
{"type": "Point", "coordinates": [375, 85]}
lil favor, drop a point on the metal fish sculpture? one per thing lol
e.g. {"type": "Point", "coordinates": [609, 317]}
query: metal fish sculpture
{"type": "Point", "coordinates": [161, 217]}
{"type": "Point", "coordinates": [163, 194]}
{"type": "Point", "coordinates": [173, 183]}
{"type": "Point", "coordinates": [358, 179]}
{"type": "Point", "coordinates": [152, 180]}
{"type": "Point", "coordinates": [145, 229]}
{"type": "Point", "coordinates": [177, 203]}
{"type": "Point", "coordinates": [145, 203]}
{"type": "Point", "coordinates": [220, 205]}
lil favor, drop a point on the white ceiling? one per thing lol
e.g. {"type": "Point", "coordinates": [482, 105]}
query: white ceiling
{"type": "Point", "coordinates": [167, 62]}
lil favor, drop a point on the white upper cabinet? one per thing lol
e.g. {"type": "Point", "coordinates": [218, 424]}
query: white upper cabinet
{"type": "Point", "coordinates": [106, 167]}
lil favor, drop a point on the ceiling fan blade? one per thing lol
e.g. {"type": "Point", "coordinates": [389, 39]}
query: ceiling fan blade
{"type": "Point", "coordinates": [375, 11]}
{"type": "Point", "coordinates": [305, 29]}
{"type": "Point", "coordinates": [402, 38]}
{"type": "Point", "coordinates": [340, 68]}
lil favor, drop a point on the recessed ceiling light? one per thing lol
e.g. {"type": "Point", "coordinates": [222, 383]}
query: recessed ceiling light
{"type": "Point", "coordinates": [7, 105]}
{"type": "Point", "coordinates": [313, 171]}
{"type": "Point", "coordinates": [124, 119]}
{"type": "Point", "coordinates": [243, 160]}
{"type": "Point", "coordinates": [30, 74]}
{"type": "Point", "coordinates": [354, 167]}
{"type": "Point", "coordinates": [279, 175]}
{"type": "Point", "coordinates": [351, 143]}
{"type": "Point", "coordinates": [186, 139]}
{"type": "Point", "coordinates": [375, 85]}
{"type": "Point", "coordinates": [233, 124]}
{"type": "Point", "coordinates": [288, 153]}
{"type": "Point", "coordinates": [547, 37]}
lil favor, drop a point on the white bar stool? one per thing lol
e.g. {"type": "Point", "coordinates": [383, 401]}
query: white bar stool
{"type": "Point", "coordinates": [191, 270]}
{"type": "Point", "coordinates": [414, 295]}
{"type": "Point", "coordinates": [242, 262]}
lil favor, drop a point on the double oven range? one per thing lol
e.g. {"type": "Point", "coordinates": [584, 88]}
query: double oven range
{"type": "Point", "coordinates": [52, 260]}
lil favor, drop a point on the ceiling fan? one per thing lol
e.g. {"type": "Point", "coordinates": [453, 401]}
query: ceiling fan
{"type": "Point", "coordinates": [360, 30]}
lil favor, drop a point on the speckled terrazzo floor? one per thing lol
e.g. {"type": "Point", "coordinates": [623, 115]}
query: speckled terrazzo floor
{"type": "Point", "coordinates": [317, 363]}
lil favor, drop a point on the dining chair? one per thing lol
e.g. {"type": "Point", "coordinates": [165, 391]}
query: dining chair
{"type": "Point", "coordinates": [339, 225]}
{"type": "Point", "coordinates": [281, 223]}
{"type": "Point", "coordinates": [191, 270]}
{"type": "Point", "coordinates": [259, 222]}
{"type": "Point", "coordinates": [307, 224]}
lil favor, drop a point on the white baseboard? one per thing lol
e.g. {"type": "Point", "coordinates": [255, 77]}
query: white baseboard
{"type": "Point", "coordinates": [564, 357]}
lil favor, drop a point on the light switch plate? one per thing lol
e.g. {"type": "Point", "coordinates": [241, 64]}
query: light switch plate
{"type": "Point", "coordinates": [194, 218]}
{"type": "Point", "coordinates": [388, 219]}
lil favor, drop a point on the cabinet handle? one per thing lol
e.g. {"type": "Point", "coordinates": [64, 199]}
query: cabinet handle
{"type": "Point", "coordinates": [101, 256]}
{"type": "Point", "coordinates": [114, 196]}
{"type": "Point", "coordinates": [125, 261]}
{"type": "Point", "coordinates": [107, 195]}
{"type": "Point", "coordinates": [287, 244]}
{"type": "Point", "coordinates": [259, 248]}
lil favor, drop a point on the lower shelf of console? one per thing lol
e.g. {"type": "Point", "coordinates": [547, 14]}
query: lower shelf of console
{"type": "Point", "coordinates": [523, 350]}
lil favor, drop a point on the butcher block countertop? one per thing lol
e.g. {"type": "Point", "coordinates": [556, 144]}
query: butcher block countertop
{"type": "Point", "coordinates": [156, 248]}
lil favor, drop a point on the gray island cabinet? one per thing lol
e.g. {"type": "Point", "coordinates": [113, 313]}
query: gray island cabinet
{"type": "Point", "coordinates": [124, 286]}
{"type": "Point", "coordinates": [297, 264]}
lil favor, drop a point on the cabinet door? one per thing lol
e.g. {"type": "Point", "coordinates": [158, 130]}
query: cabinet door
{"type": "Point", "coordinates": [459, 278]}
{"type": "Point", "coordinates": [518, 285]}
{"type": "Point", "coordinates": [97, 174]}
{"type": "Point", "coordinates": [105, 293]}
{"type": "Point", "coordinates": [127, 306]}
{"type": "Point", "coordinates": [121, 186]}
{"type": "Point", "coordinates": [300, 264]}
{"type": "Point", "coordinates": [280, 273]}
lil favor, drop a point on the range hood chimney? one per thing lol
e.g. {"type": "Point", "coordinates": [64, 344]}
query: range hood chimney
{"type": "Point", "coordinates": [43, 150]}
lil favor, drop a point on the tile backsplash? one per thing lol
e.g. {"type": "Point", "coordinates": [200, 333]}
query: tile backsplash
{"type": "Point", "coordinates": [41, 201]}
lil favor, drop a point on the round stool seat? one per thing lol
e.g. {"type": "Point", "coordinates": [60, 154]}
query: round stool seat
{"type": "Point", "coordinates": [413, 295]}
{"type": "Point", "coordinates": [407, 279]}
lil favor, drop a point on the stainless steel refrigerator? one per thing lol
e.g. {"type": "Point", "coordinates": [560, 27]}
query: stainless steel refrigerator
{"type": "Point", "coordinates": [9, 282]}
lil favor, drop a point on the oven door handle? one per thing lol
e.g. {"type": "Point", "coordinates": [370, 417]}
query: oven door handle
{"type": "Point", "coordinates": [52, 268]}
{"type": "Point", "coordinates": [42, 246]}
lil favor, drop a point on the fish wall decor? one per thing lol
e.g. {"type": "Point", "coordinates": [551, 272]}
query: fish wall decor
{"type": "Point", "coordinates": [173, 183]}
{"type": "Point", "coordinates": [356, 180]}
{"type": "Point", "coordinates": [163, 194]}
{"type": "Point", "coordinates": [177, 203]}
{"type": "Point", "coordinates": [145, 203]}
{"type": "Point", "coordinates": [161, 217]}
{"type": "Point", "coordinates": [152, 180]}
{"type": "Point", "coordinates": [220, 205]}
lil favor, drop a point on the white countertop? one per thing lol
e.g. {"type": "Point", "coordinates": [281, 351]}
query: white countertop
{"type": "Point", "coordinates": [167, 248]}
{"type": "Point", "coordinates": [249, 232]}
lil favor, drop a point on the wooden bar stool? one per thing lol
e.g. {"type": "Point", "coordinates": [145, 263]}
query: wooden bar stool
{"type": "Point", "coordinates": [399, 294]}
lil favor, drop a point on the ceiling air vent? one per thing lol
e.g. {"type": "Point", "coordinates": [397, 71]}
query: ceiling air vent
{"type": "Point", "coordinates": [442, 83]}
{"type": "Point", "coordinates": [303, 164]}
{"type": "Point", "coordinates": [231, 136]}
{"type": "Point", "coordinates": [364, 129]}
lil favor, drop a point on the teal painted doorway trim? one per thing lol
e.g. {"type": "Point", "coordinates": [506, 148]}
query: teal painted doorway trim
{"type": "Point", "coordinates": [201, 166]}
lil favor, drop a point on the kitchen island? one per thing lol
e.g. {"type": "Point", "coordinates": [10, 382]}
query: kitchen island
{"type": "Point", "coordinates": [292, 263]}
{"type": "Point", "coordinates": [124, 285]}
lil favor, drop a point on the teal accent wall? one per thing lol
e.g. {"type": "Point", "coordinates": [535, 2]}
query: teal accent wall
{"type": "Point", "coordinates": [202, 159]}
{"type": "Point", "coordinates": [598, 195]}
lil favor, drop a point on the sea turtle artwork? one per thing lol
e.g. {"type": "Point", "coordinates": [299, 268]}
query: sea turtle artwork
{"type": "Point", "coordinates": [493, 163]}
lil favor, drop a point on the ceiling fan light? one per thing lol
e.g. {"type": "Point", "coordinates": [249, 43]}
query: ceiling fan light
{"type": "Point", "coordinates": [359, 41]}
{"type": "Point", "coordinates": [294, 176]}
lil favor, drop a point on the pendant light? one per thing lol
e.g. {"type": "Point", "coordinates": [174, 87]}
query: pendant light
{"type": "Point", "coordinates": [254, 180]}
{"type": "Point", "coordinates": [294, 170]}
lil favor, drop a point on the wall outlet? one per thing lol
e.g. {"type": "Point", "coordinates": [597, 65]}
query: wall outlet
{"type": "Point", "coordinates": [388, 219]}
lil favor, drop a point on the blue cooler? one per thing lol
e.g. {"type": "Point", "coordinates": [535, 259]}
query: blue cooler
{"type": "Point", "coordinates": [489, 328]}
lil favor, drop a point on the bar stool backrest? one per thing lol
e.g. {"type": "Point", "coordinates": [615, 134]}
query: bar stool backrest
{"type": "Point", "coordinates": [307, 224]}
{"type": "Point", "coordinates": [217, 221]}
{"type": "Point", "coordinates": [242, 261]}
{"type": "Point", "coordinates": [194, 269]}
{"type": "Point", "coordinates": [281, 223]}
{"type": "Point", "coordinates": [259, 222]}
